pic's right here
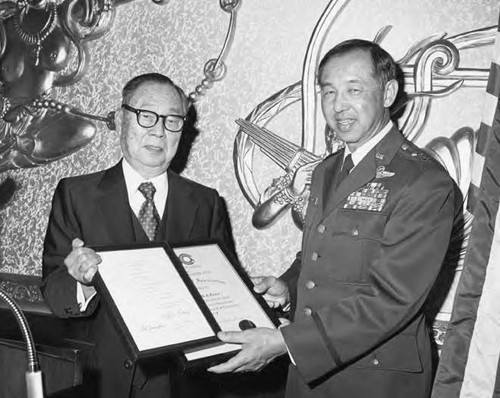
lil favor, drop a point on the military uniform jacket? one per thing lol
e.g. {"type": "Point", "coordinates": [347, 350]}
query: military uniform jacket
{"type": "Point", "coordinates": [371, 251]}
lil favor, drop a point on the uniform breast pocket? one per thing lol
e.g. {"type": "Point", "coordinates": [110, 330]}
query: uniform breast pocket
{"type": "Point", "coordinates": [357, 240]}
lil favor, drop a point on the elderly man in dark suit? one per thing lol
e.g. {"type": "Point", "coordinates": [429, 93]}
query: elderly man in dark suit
{"type": "Point", "coordinates": [377, 229]}
{"type": "Point", "coordinates": [137, 200]}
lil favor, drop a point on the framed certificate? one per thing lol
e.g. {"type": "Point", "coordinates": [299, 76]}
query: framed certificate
{"type": "Point", "coordinates": [227, 292]}
{"type": "Point", "coordinates": [153, 302]}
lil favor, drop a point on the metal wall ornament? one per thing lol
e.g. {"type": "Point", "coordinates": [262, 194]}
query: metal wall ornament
{"type": "Point", "coordinates": [35, 128]}
{"type": "Point", "coordinates": [36, 42]}
{"type": "Point", "coordinates": [215, 69]}
{"type": "Point", "coordinates": [36, 37]}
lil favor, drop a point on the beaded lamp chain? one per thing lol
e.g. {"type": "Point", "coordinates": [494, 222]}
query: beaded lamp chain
{"type": "Point", "coordinates": [36, 39]}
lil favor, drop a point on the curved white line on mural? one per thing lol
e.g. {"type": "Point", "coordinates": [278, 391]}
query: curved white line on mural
{"type": "Point", "coordinates": [311, 60]}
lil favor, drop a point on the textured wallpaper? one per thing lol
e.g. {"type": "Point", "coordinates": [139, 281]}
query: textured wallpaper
{"type": "Point", "coordinates": [267, 56]}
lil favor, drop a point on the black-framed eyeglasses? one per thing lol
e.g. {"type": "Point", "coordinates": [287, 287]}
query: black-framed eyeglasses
{"type": "Point", "coordinates": [148, 119]}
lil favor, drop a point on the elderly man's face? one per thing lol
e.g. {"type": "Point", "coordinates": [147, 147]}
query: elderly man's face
{"type": "Point", "coordinates": [353, 103]}
{"type": "Point", "coordinates": [150, 150]}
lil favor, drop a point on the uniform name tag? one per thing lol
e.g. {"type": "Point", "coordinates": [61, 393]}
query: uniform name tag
{"type": "Point", "coordinates": [371, 197]}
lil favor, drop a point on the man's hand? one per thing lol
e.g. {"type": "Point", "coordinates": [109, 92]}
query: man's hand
{"type": "Point", "coordinates": [259, 347]}
{"type": "Point", "coordinates": [82, 262]}
{"type": "Point", "coordinates": [274, 290]}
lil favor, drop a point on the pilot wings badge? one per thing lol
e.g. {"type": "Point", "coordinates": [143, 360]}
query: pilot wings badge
{"type": "Point", "coordinates": [381, 173]}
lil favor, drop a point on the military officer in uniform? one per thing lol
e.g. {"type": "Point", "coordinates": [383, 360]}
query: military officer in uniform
{"type": "Point", "coordinates": [377, 228]}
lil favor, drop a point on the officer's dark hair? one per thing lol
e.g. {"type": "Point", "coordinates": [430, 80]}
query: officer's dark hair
{"type": "Point", "coordinates": [133, 84]}
{"type": "Point", "coordinates": [384, 66]}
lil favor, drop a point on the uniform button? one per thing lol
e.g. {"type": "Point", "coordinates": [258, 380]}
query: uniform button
{"type": "Point", "coordinates": [404, 147]}
{"type": "Point", "coordinates": [307, 311]}
{"type": "Point", "coordinates": [321, 228]}
{"type": "Point", "coordinates": [314, 256]}
{"type": "Point", "coordinates": [355, 232]}
{"type": "Point", "coordinates": [310, 285]}
{"type": "Point", "coordinates": [375, 362]}
{"type": "Point", "coordinates": [128, 364]}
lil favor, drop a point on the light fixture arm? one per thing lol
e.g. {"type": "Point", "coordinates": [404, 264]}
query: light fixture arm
{"type": "Point", "coordinates": [34, 384]}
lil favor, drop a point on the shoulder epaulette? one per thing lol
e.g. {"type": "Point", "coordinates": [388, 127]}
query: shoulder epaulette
{"type": "Point", "coordinates": [414, 152]}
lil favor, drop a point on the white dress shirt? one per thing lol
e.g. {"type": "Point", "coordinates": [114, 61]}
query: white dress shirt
{"type": "Point", "coordinates": [358, 155]}
{"type": "Point", "coordinates": [135, 198]}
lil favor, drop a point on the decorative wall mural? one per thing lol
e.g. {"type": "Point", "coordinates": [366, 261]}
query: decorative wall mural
{"type": "Point", "coordinates": [431, 69]}
{"type": "Point", "coordinates": [269, 46]}
{"type": "Point", "coordinates": [43, 45]}
{"type": "Point", "coordinates": [434, 73]}
{"type": "Point", "coordinates": [39, 41]}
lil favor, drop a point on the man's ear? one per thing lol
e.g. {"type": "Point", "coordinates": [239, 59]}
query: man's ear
{"type": "Point", "coordinates": [390, 92]}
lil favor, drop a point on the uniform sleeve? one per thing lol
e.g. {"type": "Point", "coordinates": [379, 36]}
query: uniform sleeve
{"type": "Point", "coordinates": [412, 249]}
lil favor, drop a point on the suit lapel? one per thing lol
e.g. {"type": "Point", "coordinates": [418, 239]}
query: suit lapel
{"type": "Point", "coordinates": [112, 203]}
{"type": "Point", "coordinates": [114, 208]}
{"type": "Point", "coordinates": [180, 210]}
{"type": "Point", "coordinates": [366, 170]}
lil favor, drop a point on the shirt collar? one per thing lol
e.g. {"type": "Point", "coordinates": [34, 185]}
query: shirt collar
{"type": "Point", "coordinates": [358, 155]}
{"type": "Point", "coordinates": [133, 179]}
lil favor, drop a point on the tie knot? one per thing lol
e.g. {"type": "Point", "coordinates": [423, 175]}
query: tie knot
{"type": "Point", "coordinates": [348, 163]}
{"type": "Point", "coordinates": [147, 189]}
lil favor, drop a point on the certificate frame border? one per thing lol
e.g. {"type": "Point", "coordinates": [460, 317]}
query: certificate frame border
{"type": "Point", "coordinates": [119, 323]}
{"type": "Point", "coordinates": [245, 278]}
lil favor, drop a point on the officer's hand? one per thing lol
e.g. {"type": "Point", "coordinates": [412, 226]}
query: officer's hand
{"type": "Point", "coordinates": [274, 290]}
{"type": "Point", "coordinates": [258, 347]}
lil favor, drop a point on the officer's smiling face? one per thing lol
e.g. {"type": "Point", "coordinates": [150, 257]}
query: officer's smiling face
{"type": "Point", "coordinates": [353, 102]}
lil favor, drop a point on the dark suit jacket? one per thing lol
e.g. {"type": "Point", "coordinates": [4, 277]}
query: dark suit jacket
{"type": "Point", "coordinates": [371, 251]}
{"type": "Point", "coordinates": [95, 209]}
